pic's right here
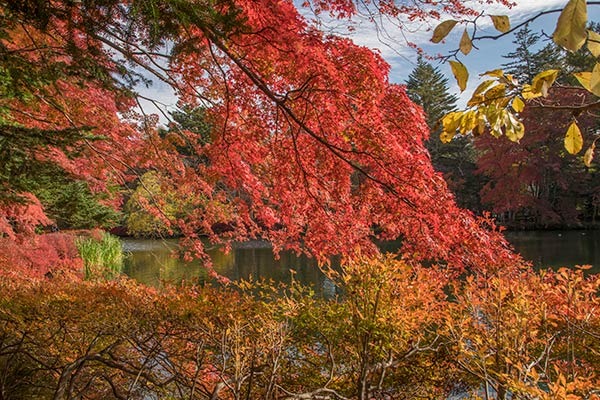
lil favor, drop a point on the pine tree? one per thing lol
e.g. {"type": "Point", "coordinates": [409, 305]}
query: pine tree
{"type": "Point", "coordinates": [526, 61]}
{"type": "Point", "coordinates": [428, 87]}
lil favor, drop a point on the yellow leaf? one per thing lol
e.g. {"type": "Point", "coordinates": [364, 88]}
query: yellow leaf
{"type": "Point", "coordinates": [481, 124]}
{"type": "Point", "coordinates": [593, 43]}
{"type": "Point", "coordinates": [514, 128]}
{"type": "Point", "coordinates": [465, 43]}
{"type": "Point", "coordinates": [497, 73]}
{"type": "Point", "coordinates": [528, 92]}
{"type": "Point", "coordinates": [589, 155]}
{"type": "Point", "coordinates": [501, 23]}
{"type": "Point", "coordinates": [496, 93]}
{"type": "Point", "coordinates": [442, 30]}
{"type": "Point", "coordinates": [542, 81]}
{"type": "Point", "coordinates": [595, 80]}
{"type": "Point", "coordinates": [573, 139]}
{"type": "Point", "coordinates": [584, 79]}
{"type": "Point", "coordinates": [483, 86]}
{"type": "Point", "coordinates": [496, 118]}
{"type": "Point", "coordinates": [510, 80]}
{"type": "Point", "coordinates": [477, 97]}
{"type": "Point", "coordinates": [446, 137]}
{"type": "Point", "coordinates": [570, 31]}
{"type": "Point", "coordinates": [475, 100]}
{"type": "Point", "coordinates": [467, 122]}
{"type": "Point", "coordinates": [518, 105]}
{"type": "Point", "coordinates": [451, 121]}
{"type": "Point", "coordinates": [460, 73]}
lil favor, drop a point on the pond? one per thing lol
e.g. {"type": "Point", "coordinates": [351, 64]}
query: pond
{"type": "Point", "coordinates": [151, 261]}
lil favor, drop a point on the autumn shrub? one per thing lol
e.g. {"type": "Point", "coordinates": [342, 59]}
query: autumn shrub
{"type": "Point", "coordinates": [525, 335]}
{"type": "Point", "coordinates": [393, 332]}
{"type": "Point", "coordinates": [102, 257]}
{"type": "Point", "coordinates": [118, 339]}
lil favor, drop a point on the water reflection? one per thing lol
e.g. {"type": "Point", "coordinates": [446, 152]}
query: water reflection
{"type": "Point", "coordinates": [558, 248]}
{"type": "Point", "coordinates": [152, 262]}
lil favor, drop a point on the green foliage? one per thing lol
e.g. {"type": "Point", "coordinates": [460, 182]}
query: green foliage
{"type": "Point", "coordinates": [154, 206]}
{"type": "Point", "coordinates": [18, 164]}
{"type": "Point", "coordinates": [428, 87]}
{"type": "Point", "coordinates": [527, 59]}
{"type": "Point", "coordinates": [69, 202]}
{"type": "Point", "coordinates": [103, 258]}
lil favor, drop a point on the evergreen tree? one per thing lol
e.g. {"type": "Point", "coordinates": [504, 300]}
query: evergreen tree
{"type": "Point", "coordinates": [527, 61]}
{"type": "Point", "coordinates": [428, 87]}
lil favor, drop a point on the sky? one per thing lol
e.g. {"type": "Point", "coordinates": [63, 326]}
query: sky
{"type": "Point", "coordinates": [488, 56]}
{"type": "Point", "coordinates": [392, 45]}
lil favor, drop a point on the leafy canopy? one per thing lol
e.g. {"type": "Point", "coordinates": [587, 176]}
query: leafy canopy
{"type": "Point", "coordinates": [310, 146]}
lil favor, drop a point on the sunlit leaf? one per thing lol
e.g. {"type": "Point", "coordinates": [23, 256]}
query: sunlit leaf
{"type": "Point", "coordinates": [465, 43]}
{"type": "Point", "coordinates": [528, 93]}
{"type": "Point", "coordinates": [595, 80]}
{"type": "Point", "coordinates": [518, 105]}
{"type": "Point", "coordinates": [468, 122]}
{"type": "Point", "coordinates": [593, 43]}
{"type": "Point", "coordinates": [494, 73]}
{"type": "Point", "coordinates": [460, 73]}
{"type": "Point", "coordinates": [481, 124]}
{"type": "Point", "coordinates": [483, 86]}
{"type": "Point", "coordinates": [589, 155]}
{"type": "Point", "coordinates": [442, 30]}
{"type": "Point", "coordinates": [573, 139]}
{"type": "Point", "coordinates": [477, 96]}
{"type": "Point", "coordinates": [496, 92]}
{"type": "Point", "coordinates": [496, 118]}
{"type": "Point", "coordinates": [451, 121]}
{"type": "Point", "coordinates": [514, 128]}
{"type": "Point", "coordinates": [446, 137]}
{"type": "Point", "coordinates": [501, 23]}
{"type": "Point", "coordinates": [570, 31]}
{"type": "Point", "coordinates": [584, 79]}
{"type": "Point", "coordinates": [476, 100]}
{"type": "Point", "coordinates": [542, 81]}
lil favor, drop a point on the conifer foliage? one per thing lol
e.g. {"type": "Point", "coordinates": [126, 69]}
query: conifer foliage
{"type": "Point", "coordinates": [428, 87]}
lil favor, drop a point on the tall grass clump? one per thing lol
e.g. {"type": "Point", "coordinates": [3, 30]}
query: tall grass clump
{"type": "Point", "coordinates": [102, 258]}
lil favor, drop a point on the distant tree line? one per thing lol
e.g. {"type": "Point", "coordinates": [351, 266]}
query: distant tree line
{"type": "Point", "coordinates": [531, 184]}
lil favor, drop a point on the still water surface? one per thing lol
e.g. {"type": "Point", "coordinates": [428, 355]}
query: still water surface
{"type": "Point", "coordinates": [151, 261]}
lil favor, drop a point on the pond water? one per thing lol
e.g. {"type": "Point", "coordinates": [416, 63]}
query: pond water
{"type": "Point", "coordinates": [151, 261]}
{"type": "Point", "coordinates": [558, 248]}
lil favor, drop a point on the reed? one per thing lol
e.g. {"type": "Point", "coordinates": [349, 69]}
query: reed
{"type": "Point", "coordinates": [103, 258]}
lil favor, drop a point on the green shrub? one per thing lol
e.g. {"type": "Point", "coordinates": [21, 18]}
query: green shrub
{"type": "Point", "coordinates": [103, 258]}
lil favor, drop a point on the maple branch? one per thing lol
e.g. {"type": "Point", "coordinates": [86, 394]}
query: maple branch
{"type": "Point", "coordinates": [280, 102]}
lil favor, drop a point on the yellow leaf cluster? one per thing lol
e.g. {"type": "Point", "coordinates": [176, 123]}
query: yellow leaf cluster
{"type": "Point", "coordinates": [496, 102]}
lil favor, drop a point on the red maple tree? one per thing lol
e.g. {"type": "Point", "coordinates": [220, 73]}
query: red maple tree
{"type": "Point", "coordinates": [311, 148]}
